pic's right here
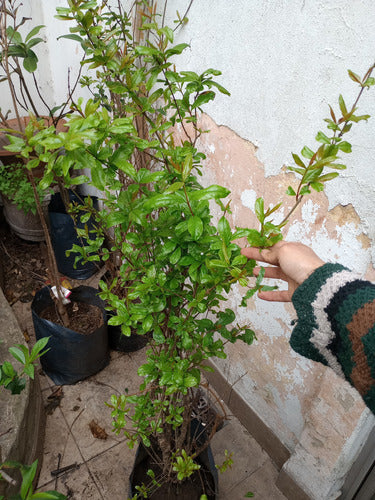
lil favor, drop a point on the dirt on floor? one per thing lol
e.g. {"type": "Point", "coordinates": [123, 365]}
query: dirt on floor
{"type": "Point", "coordinates": [23, 264]}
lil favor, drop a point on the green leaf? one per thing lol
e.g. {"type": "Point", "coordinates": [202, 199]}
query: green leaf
{"type": "Point", "coordinates": [345, 147]}
{"type": "Point", "coordinates": [30, 62]}
{"type": "Point", "coordinates": [175, 257]}
{"type": "Point", "coordinates": [176, 186]}
{"type": "Point", "coordinates": [117, 87]}
{"type": "Point", "coordinates": [342, 105]}
{"type": "Point", "coordinates": [209, 193]}
{"type": "Point", "coordinates": [304, 190]}
{"type": "Point", "coordinates": [147, 323]}
{"type": "Point", "coordinates": [17, 354]}
{"type": "Point", "coordinates": [307, 153]}
{"type": "Point", "coordinates": [188, 165]}
{"type": "Point", "coordinates": [369, 82]}
{"type": "Point", "coordinates": [298, 160]}
{"type": "Point", "coordinates": [255, 239]}
{"type": "Point", "coordinates": [28, 473]}
{"type": "Point", "coordinates": [290, 191]}
{"type": "Point", "coordinates": [34, 42]}
{"type": "Point", "coordinates": [8, 369]}
{"type": "Point", "coordinates": [142, 50]}
{"type": "Point", "coordinates": [72, 37]}
{"type": "Point", "coordinates": [190, 381]}
{"type": "Point", "coordinates": [29, 370]}
{"type": "Point", "coordinates": [259, 209]}
{"type": "Point", "coordinates": [98, 177]}
{"type": "Point", "coordinates": [195, 227]}
{"type": "Point", "coordinates": [337, 166]}
{"type": "Point", "coordinates": [220, 88]}
{"type": "Point", "coordinates": [168, 32]}
{"type": "Point", "coordinates": [224, 230]}
{"type": "Point", "coordinates": [203, 98]}
{"type": "Point", "coordinates": [300, 171]}
{"type": "Point", "coordinates": [115, 320]}
{"type": "Point", "coordinates": [122, 163]}
{"type": "Point", "coordinates": [317, 186]}
{"type": "Point", "coordinates": [158, 336]}
{"type": "Point", "coordinates": [48, 495]}
{"type": "Point", "coordinates": [177, 49]}
{"type": "Point", "coordinates": [79, 180]}
{"type": "Point", "coordinates": [122, 126]}
{"type": "Point", "coordinates": [354, 76]}
{"type": "Point", "coordinates": [328, 177]}
{"type": "Point", "coordinates": [39, 346]}
{"type": "Point", "coordinates": [321, 137]}
{"type": "Point", "coordinates": [116, 218]}
{"type": "Point", "coordinates": [16, 144]}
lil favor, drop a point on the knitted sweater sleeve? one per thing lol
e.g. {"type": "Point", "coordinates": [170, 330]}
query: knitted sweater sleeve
{"type": "Point", "coordinates": [336, 325]}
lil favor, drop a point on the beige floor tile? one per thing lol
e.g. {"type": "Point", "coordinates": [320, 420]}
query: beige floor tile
{"type": "Point", "coordinates": [58, 440]}
{"type": "Point", "coordinates": [111, 471]}
{"type": "Point", "coordinates": [247, 457]}
{"type": "Point", "coordinates": [261, 483]}
{"type": "Point", "coordinates": [105, 476]}
{"type": "Point", "coordinates": [85, 401]}
{"type": "Point", "coordinates": [78, 485]}
{"type": "Point", "coordinates": [83, 404]}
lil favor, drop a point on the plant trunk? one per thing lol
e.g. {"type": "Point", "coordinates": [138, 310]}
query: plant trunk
{"type": "Point", "coordinates": [52, 266]}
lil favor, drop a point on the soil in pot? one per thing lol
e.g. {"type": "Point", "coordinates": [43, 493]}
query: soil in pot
{"type": "Point", "coordinates": [84, 318]}
{"type": "Point", "coordinates": [24, 266]}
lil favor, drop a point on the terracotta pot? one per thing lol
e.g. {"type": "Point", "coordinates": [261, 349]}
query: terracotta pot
{"type": "Point", "coordinates": [25, 225]}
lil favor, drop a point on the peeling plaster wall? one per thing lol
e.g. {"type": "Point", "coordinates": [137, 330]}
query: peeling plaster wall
{"type": "Point", "coordinates": [316, 415]}
{"type": "Point", "coordinates": [283, 63]}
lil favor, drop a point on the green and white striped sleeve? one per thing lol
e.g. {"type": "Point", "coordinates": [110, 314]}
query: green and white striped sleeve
{"type": "Point", "coordinates": [336, 325]}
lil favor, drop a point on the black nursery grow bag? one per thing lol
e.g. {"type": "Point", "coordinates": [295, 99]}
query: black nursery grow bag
{"type": "Point", "coordinates": [64, 236]}
{"type": "Point", "coordinates": [71, 356]}
{"type": "Point", "coordinates": [205, 459]}
{"type": "Point", "coordinates": [120, 342]}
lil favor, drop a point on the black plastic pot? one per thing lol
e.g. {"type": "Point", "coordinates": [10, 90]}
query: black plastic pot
{"type": "Point", "coordinates": [205, 460]}
{"type": "Point", "coordinates": [72, 356]}
{"type": "Point", "coordinates": [64, 236]}
{"type": "Point", "coordinates": [119, 342]}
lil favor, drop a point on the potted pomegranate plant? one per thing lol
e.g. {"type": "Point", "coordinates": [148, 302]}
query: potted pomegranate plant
{"type": "Point", "coordinates": [72, 355]}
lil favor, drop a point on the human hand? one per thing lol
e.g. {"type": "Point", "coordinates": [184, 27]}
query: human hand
{"type": "Point", "coordinates": [294, 262]}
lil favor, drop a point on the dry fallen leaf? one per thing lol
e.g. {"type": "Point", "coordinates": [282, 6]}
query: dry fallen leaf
{"type": "Point", "coordinates": [53, 400]}
{"type": "Point", "coordinates": [26, 335]}
{"type": "Point", "coordinates": [97, 431]}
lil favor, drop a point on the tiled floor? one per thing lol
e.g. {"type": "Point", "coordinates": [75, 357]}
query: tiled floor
{"type": "Point", "coordinates": [98, 469]}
